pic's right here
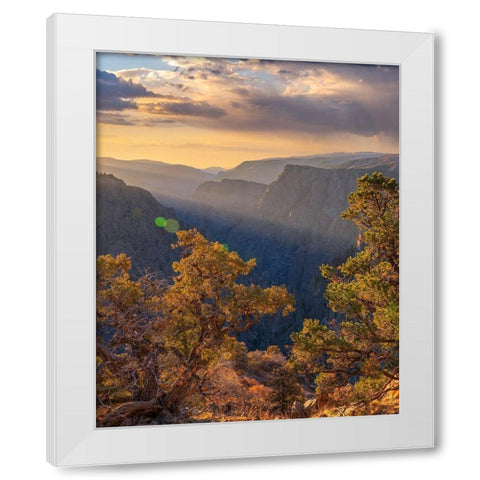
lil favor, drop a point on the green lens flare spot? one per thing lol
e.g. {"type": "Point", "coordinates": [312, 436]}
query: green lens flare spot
{"type": "Point", "coordinates": [171, 225]}
{"type": "Point", "coordinates": [225, 247]}
{"type": "Point", "coordinates": [160, 222]}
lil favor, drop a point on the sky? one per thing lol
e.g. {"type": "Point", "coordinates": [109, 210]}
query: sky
{"type": "Point", "coordinates": [206, 112]}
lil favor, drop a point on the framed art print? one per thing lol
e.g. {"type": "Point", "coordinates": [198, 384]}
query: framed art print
{"type": "Point", "coordinates": [240, 240]}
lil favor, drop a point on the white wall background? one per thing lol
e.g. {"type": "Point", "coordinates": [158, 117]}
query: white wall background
{"type": "Point", "coordinates": [22, 257]}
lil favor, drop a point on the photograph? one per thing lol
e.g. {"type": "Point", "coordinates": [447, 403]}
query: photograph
{"type": "Point", "coordinates": [247, 239]}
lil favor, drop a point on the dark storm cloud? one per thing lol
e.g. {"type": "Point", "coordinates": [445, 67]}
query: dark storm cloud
{"type": "Point", "coordinates": [115, 93]}
{"type": "Point", "coordinates": [188, 108]}
{"type": "Point", "coordinates": [322, 114]}
{"type": "Point", "coordinates": [359, 99]}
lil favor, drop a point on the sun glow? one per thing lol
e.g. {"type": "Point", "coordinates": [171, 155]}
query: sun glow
{"type": "Point", "coordinates": [203, 112]}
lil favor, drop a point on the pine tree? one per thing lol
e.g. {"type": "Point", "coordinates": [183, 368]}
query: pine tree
{"type": "Point", "coordinates": [356, 357]}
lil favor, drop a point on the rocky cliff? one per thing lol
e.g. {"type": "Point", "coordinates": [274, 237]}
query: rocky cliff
{"type": "Point", "coordinates": [230, 195]}
{"type": "Point", "coordinates": [126, 224]}
{"type": "Point", "coordinates": [291, 229]}
{"type": "Point", "coordinates": [268, 170]}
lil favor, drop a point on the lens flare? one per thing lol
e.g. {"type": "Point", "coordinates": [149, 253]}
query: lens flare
{"type": "Point", "coordinates": [160, 222]}
{"type": "Point", "coordinates": [225, 247]}
{"type": "Point", "coordinates": [171, 225]}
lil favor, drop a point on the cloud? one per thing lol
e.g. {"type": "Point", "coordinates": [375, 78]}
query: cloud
{"type": "Point", "coordinates": [189, 108]}
{"type": "Point", "coordinates": [156, 121]}
{"type": "Point", "coordinates": [311, 98]}
{"type": "Point", "coordinates": [115, 93]}
{"type": "Point", "coordinates": [242, 91]}
{"type": "Point", "coordinates": [317, 114]}
{"type": "Point", "coordinates": [370, 74]}
{"type": "Point", "coordinates": [108, 118]}
{"type": "Point", "coordinates": [197, 67]}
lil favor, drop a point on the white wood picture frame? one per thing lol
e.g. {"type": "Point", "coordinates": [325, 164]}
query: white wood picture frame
{"type": "Point", "coordinates": [72, 438]}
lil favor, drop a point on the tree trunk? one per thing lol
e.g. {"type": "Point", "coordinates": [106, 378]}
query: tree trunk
{"type": "Point", "coordinates": [128, 411]}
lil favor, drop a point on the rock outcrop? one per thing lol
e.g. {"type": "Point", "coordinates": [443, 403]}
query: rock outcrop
{"type": "Point", "coordinates": [291, 229]}
{"type": "Point", "coordinates": [126, 224]}
{"type": "Point", "coordinates": [268, 170]}
{"type": "Point", "coordinates": [229, 195]}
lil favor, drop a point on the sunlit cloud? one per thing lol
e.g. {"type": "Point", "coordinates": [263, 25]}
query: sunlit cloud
{"type": "Point", "coordinates": [259, 106]}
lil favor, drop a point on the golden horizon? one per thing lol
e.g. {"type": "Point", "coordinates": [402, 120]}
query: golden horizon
{"type": "Point", "coordinates": [204, 112]}
{"type": "Point", "coordinates": [246, 159]}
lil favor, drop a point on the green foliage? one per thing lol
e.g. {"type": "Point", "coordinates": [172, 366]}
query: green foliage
{"type": "Point", "coordinates": [126, 314]}
{"type": "Point", "coordinates": [206, 287]}
{"type": "Point", "coordinates": [205, 306]}
{"type": "Point", "coordinates": [374, 210]}
{"type": "Point", "coordinates": [285, 389]}
{"type": "Point", "coordinates": [157, 344]}
{"type": "Point", "coordinates": [356, 357]}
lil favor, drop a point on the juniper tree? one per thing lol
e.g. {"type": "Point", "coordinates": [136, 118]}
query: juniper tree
{"type": "Point", "coordinates": [356, 357]}
{"type": "Point", "coordinates": [156, 342]}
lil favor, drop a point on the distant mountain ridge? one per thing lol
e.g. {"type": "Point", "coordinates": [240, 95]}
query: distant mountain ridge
{"type": "Point", "coordinates": [213, 170]}
{"type": "Point", "coordinates": [290, 226]}
{"type": "Point", "coordinates": [268, 170]}
{"type": "Point", "coordinates": [167, 181]}
{"type": "Point", "coordinates": [162, 180]}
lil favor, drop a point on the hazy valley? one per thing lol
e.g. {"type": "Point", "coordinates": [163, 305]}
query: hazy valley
{"type": "Point", "coordinates": [288, 219]}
